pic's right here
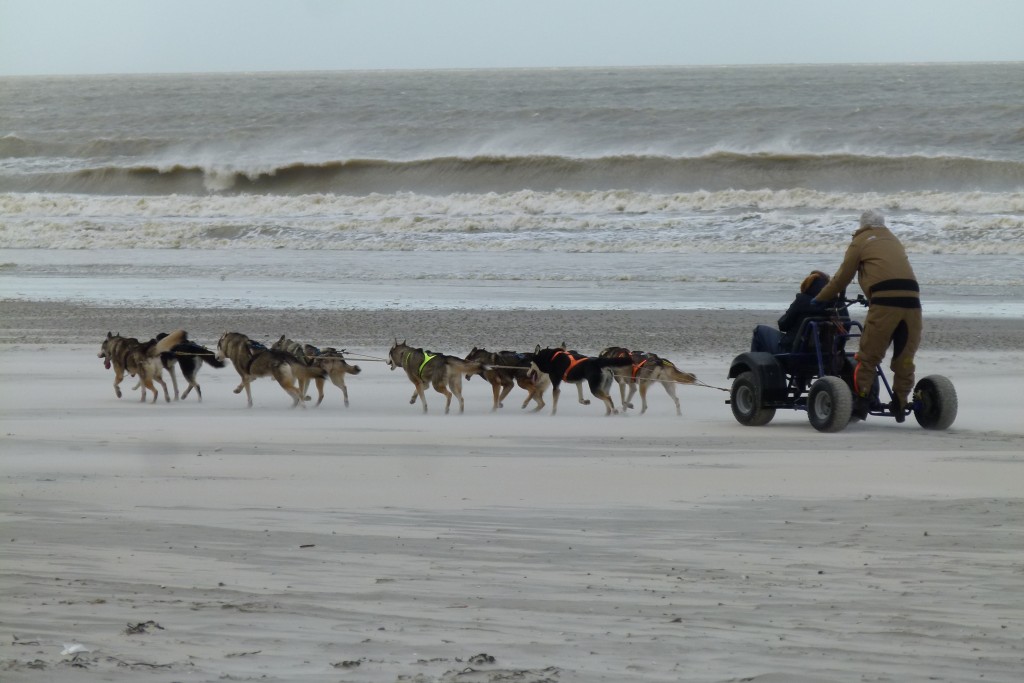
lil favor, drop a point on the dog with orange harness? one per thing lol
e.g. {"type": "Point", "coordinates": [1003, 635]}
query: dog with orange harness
{"type": "Point", "coordinates": [644, 370]}
{"type": "Point", "coordinates": [562, 365]}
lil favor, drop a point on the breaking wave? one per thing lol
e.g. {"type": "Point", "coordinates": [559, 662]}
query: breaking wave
{"type": "Point", "coordinates": [716, 171]}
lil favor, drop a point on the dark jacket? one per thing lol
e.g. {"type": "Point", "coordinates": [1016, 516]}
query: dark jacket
{"type": "Point", "coordinates": [804, 306]}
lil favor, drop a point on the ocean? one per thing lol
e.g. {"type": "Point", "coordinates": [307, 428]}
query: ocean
{"type": "Point", "coordinates": [703, 187]}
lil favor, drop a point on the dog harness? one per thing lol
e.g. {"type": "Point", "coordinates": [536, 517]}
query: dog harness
{"type": "Point", "coordinates": [426, 359]}
{"type": "Point", "coordinates": [624, 353]}
{"type": "Point", "coordinates": [573, 362]}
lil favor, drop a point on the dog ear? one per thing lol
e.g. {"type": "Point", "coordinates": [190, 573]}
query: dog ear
{"type": "Point", "coordinates": [537, 350]}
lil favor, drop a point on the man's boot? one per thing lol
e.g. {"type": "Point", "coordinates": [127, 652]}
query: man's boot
{"type": "Point", "coordinates": [861, 406]}
{"type": "Point", "coordinates": [899, 410]}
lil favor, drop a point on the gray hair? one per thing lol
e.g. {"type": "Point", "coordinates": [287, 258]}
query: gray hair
{"type": "Point", "coordinates": [872, 218]}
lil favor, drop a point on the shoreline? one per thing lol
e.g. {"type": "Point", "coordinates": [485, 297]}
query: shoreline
{"type": "Point", "coordinates": [658, 330]}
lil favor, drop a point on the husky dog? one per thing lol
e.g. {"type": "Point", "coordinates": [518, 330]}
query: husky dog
{"type": "Point", "coordinates": [286, 371]}
{"type": "Point", "coordinates": [497, 369]}
{"type": "Point", "coordinates": [643, 371]}
{"type": "Point", "coordinates": [252, 360]}
{"type": "Point", "coordinates": [239, 349]}
{"type": "Point", "coordinates": [295, 349]}
{"type": "Point", "coordinates": [138, 359]}
{"type": "Point", "coordinates": [114, 352]}
{"type": "Point", "coordinates": [575, 368]}
{"type": "Point", "coordinates": [438, 370]}
{"type": "Point", "coordinates": [292, 347]}
{"type": "Point", "coordinates": [333, 362]}
{"type": "Point", "coordinates": [189, 356]}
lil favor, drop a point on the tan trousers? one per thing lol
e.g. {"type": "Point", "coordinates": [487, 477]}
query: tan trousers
{"type": "Point", "coordinates": [884, 325]}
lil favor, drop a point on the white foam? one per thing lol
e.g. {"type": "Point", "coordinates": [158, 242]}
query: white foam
{"type": "Point", "coordinates": [794, 221]}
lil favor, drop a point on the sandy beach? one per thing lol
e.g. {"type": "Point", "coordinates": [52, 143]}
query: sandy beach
{"type": "Point", "coordinates": [207, 541]}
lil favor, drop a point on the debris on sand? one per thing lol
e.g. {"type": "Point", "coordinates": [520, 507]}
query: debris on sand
{"type": "Point", "coordinates": [143, 627]}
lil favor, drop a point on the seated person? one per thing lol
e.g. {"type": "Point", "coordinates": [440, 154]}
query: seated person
{"type": "Point", "coordinates": [771, 340]}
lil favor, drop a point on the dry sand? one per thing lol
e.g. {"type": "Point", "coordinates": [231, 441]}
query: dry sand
{"type": "Point", "coordinates": [207, 542]}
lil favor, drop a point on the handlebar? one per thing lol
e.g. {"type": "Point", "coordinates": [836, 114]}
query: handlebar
{"type": "Point", "coordinates": [842, 301]}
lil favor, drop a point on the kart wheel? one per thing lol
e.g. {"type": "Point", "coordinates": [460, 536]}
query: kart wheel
{"type": "Point", "coordinates": [935, 402]}
{"type": "Point", "coordinates": [745, 399]}
{"type": "Point", "coordinates": [829, 404]}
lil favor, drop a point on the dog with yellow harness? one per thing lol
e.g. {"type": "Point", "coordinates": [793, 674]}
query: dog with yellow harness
{"type": "Point", "coordinates": [426, 369]}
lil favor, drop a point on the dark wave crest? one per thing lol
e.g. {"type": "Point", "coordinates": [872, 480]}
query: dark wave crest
{"type": "Point", "coordinates": [713, 172]}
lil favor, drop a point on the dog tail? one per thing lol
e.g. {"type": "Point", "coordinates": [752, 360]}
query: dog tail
{"type": "Point", "coordinates": [464, 367]}
{"type": "Point", "coordinates": [169, 342]}
{"type": "Point", "coordinates": [190, 348]}
{"type": "Point", "coordinates": [678, 375]}
{"type": "Point", "coordinates": [211, 359]}
{"type": "Point", "coordinates": [208, 356]}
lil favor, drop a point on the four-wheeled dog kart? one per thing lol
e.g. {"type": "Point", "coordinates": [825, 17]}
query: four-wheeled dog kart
{"type": "Point", "coordinates": [817, 376]}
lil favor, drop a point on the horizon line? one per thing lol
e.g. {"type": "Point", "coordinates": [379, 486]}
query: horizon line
{"type": "Point", "coordinates": [215, 72]}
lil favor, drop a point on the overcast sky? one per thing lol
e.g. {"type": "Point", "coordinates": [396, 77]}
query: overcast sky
{"type": "Point", "coordinates": [147, 36]}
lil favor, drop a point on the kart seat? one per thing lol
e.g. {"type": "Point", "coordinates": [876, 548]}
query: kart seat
{"type": "Point", "coordinates": [829, 332]}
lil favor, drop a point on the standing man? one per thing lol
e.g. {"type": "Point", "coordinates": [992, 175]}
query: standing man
{"type": "Point", "coordinates": [883, 272]}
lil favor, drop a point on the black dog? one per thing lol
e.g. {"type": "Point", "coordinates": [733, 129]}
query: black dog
{"type": "Point", "coordinates": [575, 368]}
{"type": "Point", "coordinates": [188, 356]}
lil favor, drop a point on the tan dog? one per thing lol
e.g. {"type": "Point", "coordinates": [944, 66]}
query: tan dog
{"type": "Point", "coordinates": [503, 370]}
{"type": "Point", "coordinates": [297, 351]}
{"type": "Point", "coordinates": [646, 369]}
{"type": "Point", "coordinates": [333, 362]}
{"type": "Point", "coordinates": [253, 360]}
{"type": "Point", "coordinates": [139, 359]}
{"type": "Point", "coordinates": [423, 368]}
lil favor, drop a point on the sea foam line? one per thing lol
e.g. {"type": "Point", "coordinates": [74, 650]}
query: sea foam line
{"type": "Point", "coordinates": [528, 202]}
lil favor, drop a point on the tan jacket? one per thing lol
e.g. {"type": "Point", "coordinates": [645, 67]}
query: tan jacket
{"type": "Point", "coordinates": [878, 259]}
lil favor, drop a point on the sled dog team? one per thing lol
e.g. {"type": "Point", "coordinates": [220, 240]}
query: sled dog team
{"type": "Point", "coordinates": [293, 366]}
